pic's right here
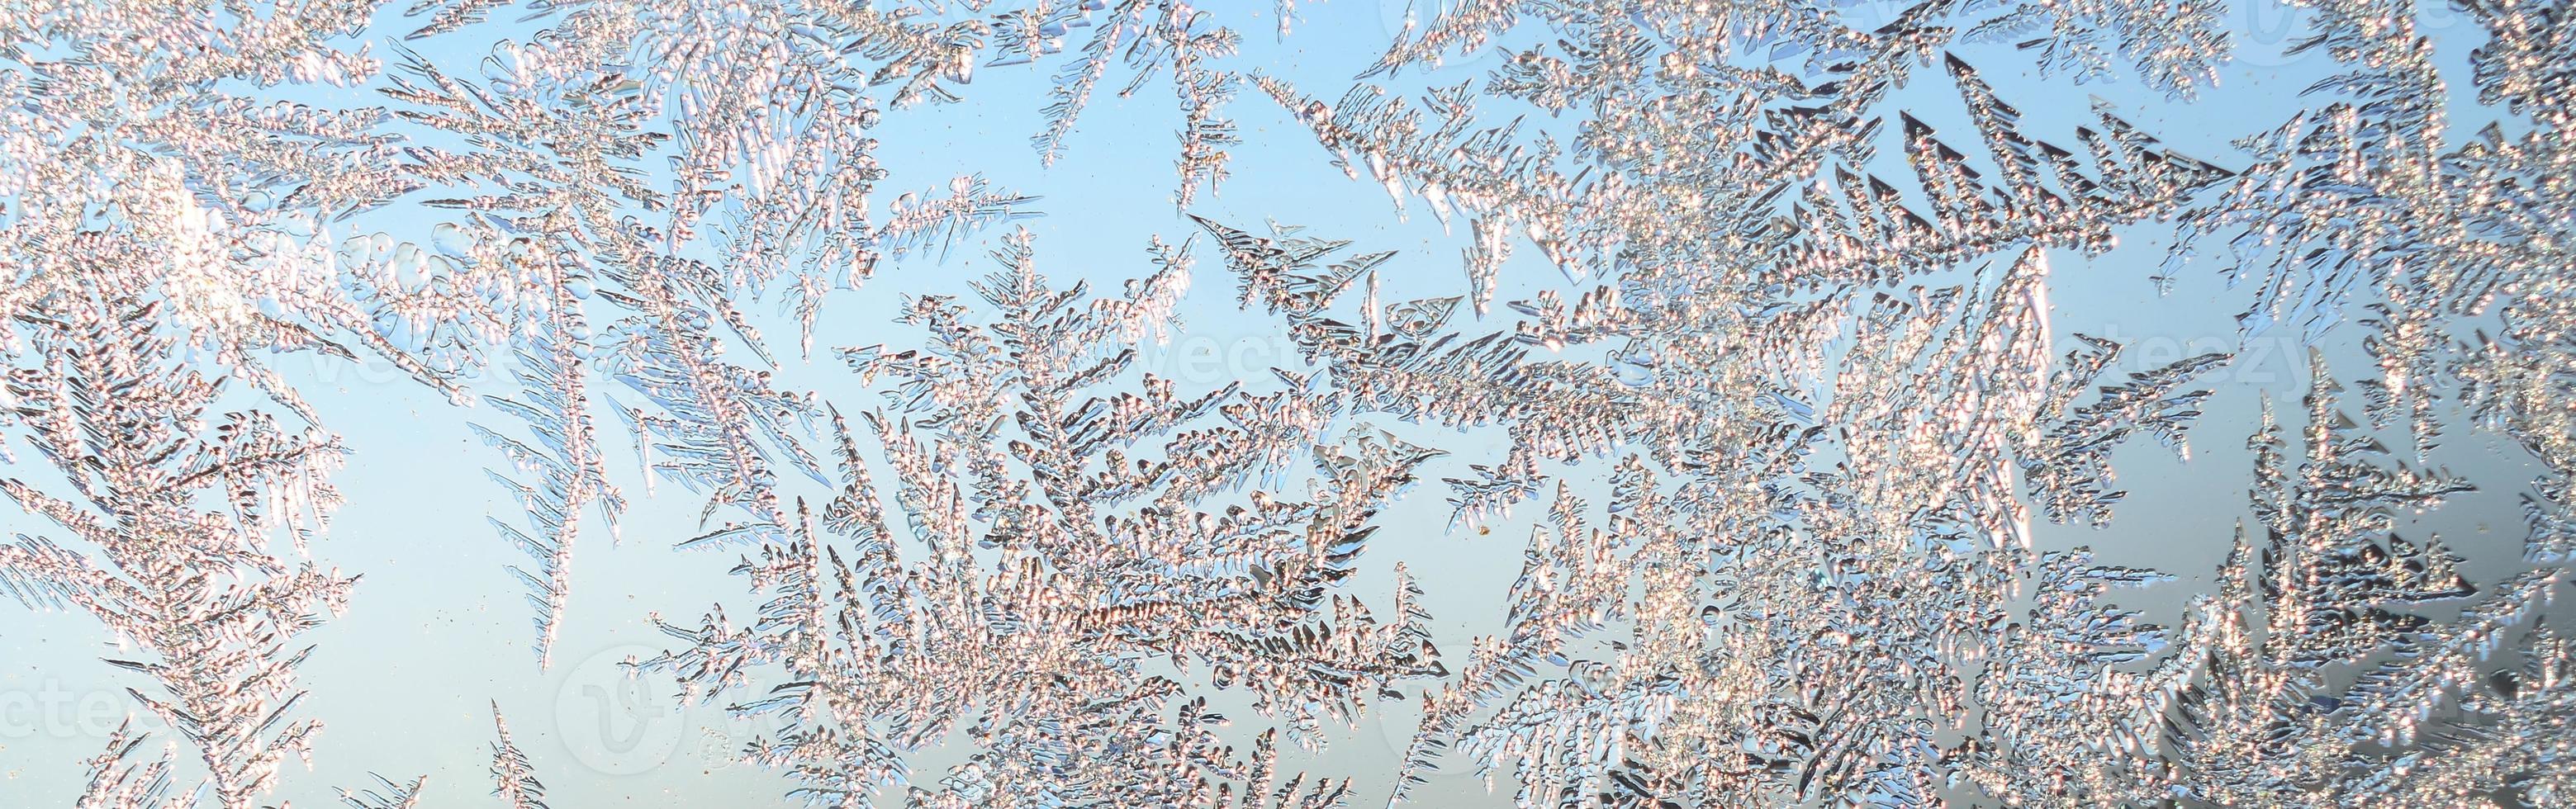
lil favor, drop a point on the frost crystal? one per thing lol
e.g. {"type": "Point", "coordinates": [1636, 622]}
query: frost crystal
{"type": "Point", "coordinates": [1109, 565]}
{"type": "Point", "coordinates": [1840, 480]}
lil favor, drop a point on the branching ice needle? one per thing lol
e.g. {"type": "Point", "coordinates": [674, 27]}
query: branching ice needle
{"type": "Point", "coordinates": [1807, 380]}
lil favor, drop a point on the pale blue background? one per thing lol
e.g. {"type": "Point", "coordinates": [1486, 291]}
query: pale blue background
{"type": "Point", "coordinates": [438, 630]}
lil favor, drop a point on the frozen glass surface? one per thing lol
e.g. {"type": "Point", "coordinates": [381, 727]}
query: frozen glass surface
{"type": "Point", "coordinates": [1067, 403]}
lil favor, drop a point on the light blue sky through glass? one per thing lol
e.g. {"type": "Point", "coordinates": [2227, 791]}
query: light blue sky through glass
{"type": "Point", "coordinates": [438, 631]}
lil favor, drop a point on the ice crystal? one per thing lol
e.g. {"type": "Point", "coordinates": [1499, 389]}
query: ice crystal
{"type": "Point", "coordinates": [1104, 571]}
{"type": "Point", "coordinates": [1798, 428]}
{"type": "Point", "coordinates": [159, 224]}
{"type": "Point", "coordinates": [201, 595]}
{"type": "Point", "coordinates": [559, 126]}
{"type": "Point", "coordinates": [391, 796]}
{"type": "Point", "coordinates": [514, 778]}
